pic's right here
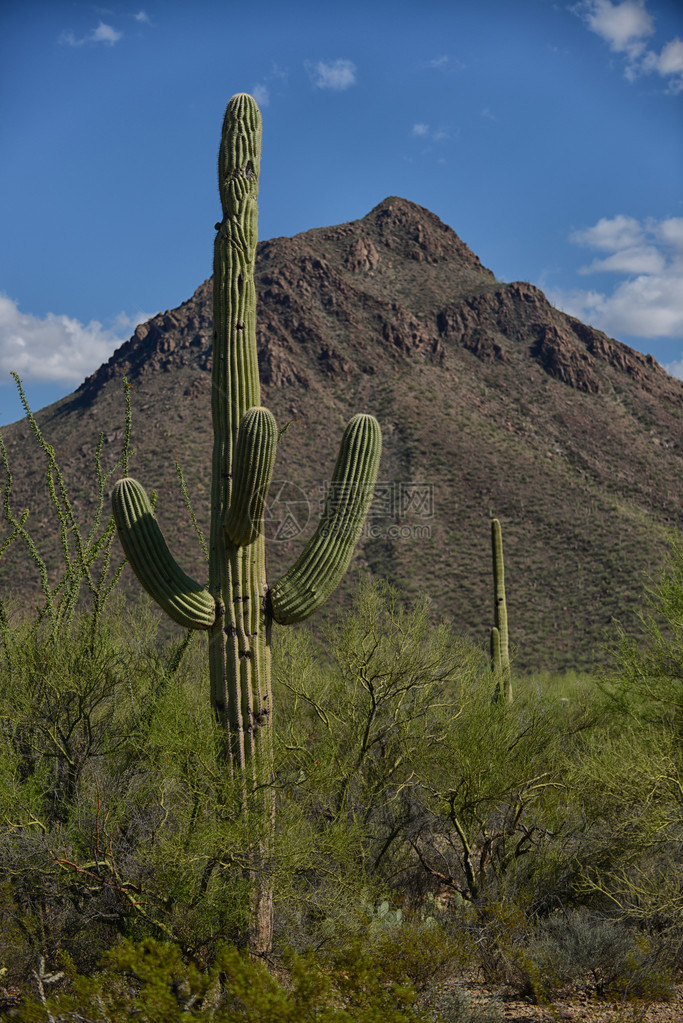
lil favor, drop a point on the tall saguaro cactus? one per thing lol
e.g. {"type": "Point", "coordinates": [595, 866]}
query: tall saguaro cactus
{"type": "Point", "coordinates": [239, 607]}
{"type": "Point", "coordinates": [500, 653]}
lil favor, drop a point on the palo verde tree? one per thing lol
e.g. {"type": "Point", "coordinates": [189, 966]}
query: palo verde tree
{"type": "Point", "coordinates": [239, 607]}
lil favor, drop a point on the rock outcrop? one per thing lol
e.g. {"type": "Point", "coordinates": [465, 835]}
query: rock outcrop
{"type": "Point", "coordinates": [490, 401]}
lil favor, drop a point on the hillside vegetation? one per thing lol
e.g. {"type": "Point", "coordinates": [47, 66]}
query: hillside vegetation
{"type": "Point", "coordinates": [424, 830]}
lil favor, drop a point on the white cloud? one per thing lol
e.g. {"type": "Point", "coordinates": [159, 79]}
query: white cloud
{"type": "Point", "coordinates": [426, 132]}
{"type": "Point", "coordinates": [444, 63]}
{"type": "Point", "coordinates": [648, 302]}
{"type": "Point", "coordinates": [610, 234]}
{"type": "Point", "coordinates": [102, 34]}
{"type": "Point", "coordinates": [57, 347]}
{"type": "Point", "coordinates": [142, 17]}
{"type": "Point", "coordinates": [670, 231]}
{"type": "Point", "coordinates": [675, 369]}
{"type": "Point", "coordinates": [626, 27]}
{"type": "Point", "coordinates": [106, 34]}
{"type": "Point", "coordinates": [648, 306]}
{"type": "Point", "coordinates": [261, 95]}
{"type": "Point", "coordinates": [637, 259]}
{"type": "Point", "coordinates": [336, 74]}
{"type": "Point", "coordinates": [668, 64]}
{"type": "Point", "coordinates": [276, 78]}
{"type": "Point", "coordinates": [670, 60]}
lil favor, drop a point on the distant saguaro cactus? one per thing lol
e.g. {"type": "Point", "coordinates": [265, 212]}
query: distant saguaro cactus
{"type": "Point", "coordinates": [500, 652]}
{"type": "Point", "coordinates": [239, 607]}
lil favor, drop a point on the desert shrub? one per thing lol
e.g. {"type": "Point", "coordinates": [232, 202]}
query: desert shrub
{"type": "Point", "coordinates": [646, 680]}
{"type": "Point", "coordinates": [630, 774]}
{"type": "Point", "coordinates": [451, 1004]}
{"type": "Point", "coordinates": [402, 789]}
{"type": "Point", "coordinates": [406, 777]}
{"type": "Point", "coordinates": [488, 795]}
{"type": "Point", "coordinates": [579, 950]}
{"type": "Point", "coordinates": [86, 576]}
{"type": "Point", "coordinates": [569, 951]}
{"type": "Point", "coordinates": [116, 815]}
{"type": "Point", "coordinates": [353, 719]}
{"type": "Point", "coordinates": [152, 981]}
{"type": "Point", "coordinates": [421, 827]}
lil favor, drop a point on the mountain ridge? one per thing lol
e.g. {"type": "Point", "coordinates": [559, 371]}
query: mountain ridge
{"type": "Point", "coordinates": [489, 398]}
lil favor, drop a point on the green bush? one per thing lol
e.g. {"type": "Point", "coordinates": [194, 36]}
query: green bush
{"type": "Point", "coordinates": [353, 717]}
{"type": "Point", "coordinates": [647, 680]}
{"type": "Point", "coordinates": [629, 779]}
{"type": "Point", "coordinates": [599, 955]}
{"type": "Point", "coordinates": [153, 983]}
{"type": "Point", "coordinates": [116, 816]}
{"type": "Point", "coordinates": [392, 742]}
{"type": "Point", "coordinates": [422, 829]}
{"type": "Point", "coordinates": [577, 950]}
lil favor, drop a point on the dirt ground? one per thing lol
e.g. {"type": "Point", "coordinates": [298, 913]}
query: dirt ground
{"type": "Point", "coordinates": [578, 1008]}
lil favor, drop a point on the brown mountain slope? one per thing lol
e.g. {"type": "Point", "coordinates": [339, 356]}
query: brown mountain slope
{"type": "Point", "coordinates": [490, 400]}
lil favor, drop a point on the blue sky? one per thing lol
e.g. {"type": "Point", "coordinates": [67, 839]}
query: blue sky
{"type": "Point", "coordinates": [547, 134]}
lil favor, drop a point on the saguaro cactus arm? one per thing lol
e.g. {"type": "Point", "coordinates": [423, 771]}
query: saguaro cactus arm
{"type": "Point", "coordinates": [183, 599]}
{"type": "Point", "coordinates": [254, 461]}
{"type": "Point", "coordinates": [324, 560]}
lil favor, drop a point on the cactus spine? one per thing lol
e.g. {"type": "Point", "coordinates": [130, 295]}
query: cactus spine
{"type": "Point", "coordinates": [500, 653]}
{"type": "Point", "coordinates": [238, 609]}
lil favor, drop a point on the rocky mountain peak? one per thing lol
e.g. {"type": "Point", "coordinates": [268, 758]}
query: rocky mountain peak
{"type": "Point", "coordinates": [489, 399]}
{"type": "Point", "coordinates": [327, 295]}
{"type": "Point", "coordinates": [418, 233]}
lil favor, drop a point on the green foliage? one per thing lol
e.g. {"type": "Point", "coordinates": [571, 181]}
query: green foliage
{"type": "Point", "coordinates": [115, 812]}
{"type": "Point", "coordinates": [150, 980]}
{"type": "Point", "coordinates": [602, 956]}
{"type": "Point", "coordinates": [354, 723]}
{"type": "Point", "coordinates": [647, 682]}
{"type": "Point", "coordinates": [489, 798]}
{"type": "Point", "coordinates": [573, 949]}
{"type": "Point", "coordinates": [630, 775]}
{"type": "Point", "coordinates": [399, 778]}
{"type": "Point", "coordinates": [86, 559]}
{"type": "Point", "coordinates": [422, 828]}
